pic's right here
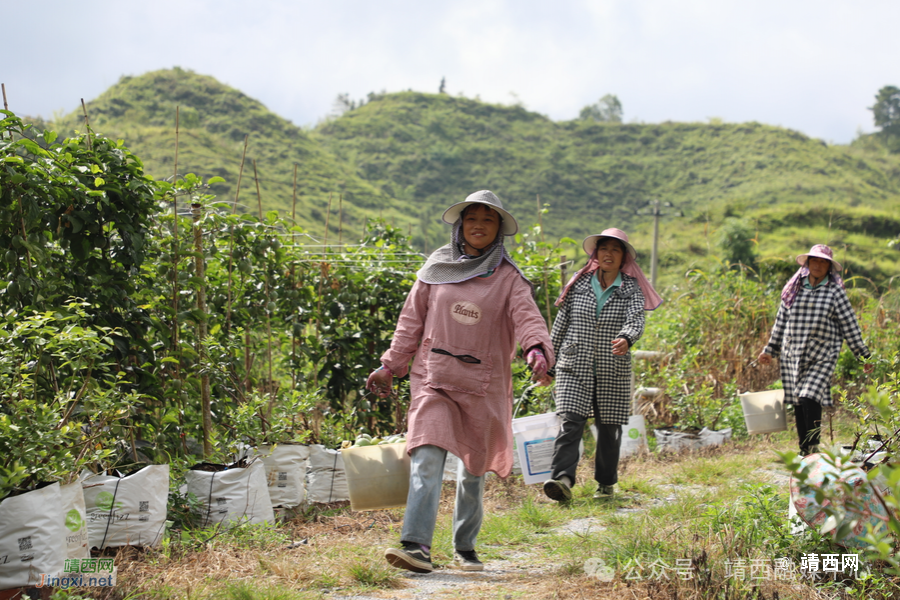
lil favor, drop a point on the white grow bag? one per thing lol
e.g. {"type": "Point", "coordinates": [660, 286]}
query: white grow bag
{"type": "Point", "coordinates": [326, 477]}
{"type": "Point", "coordinates": [231, 494]}
{"type": "Point", "coordinates": [286, 466]}
{"type": "Point", "coordinates": [32, 542]}
{"type": "Point", "coordinates": [74, 515]}
{"type": "Point", "coordinates": [129, 510]}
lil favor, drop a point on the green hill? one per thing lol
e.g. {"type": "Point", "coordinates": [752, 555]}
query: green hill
{"type": "Point", "coordinates": [213, 121]}
{"type": "Point", "coordinates": [408, 155]}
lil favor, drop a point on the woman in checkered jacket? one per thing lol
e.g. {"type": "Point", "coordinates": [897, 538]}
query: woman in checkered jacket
{"type": "Point", "coordinates": [601, 314]}
{"type": "Point", "coordinates": [814, 319]}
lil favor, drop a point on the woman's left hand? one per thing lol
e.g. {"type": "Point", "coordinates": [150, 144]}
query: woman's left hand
{"type": "Point", "coordinates": [868, 368]}
{"type": "Point", "coordinates": [538, 364]}
{"type": "Point", "coordinates": [620, 346]}
{"type": "Point", "coordinates": [380, 382]}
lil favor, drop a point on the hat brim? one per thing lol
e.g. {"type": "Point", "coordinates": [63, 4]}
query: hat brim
{"type": "Point", "coordinates": [590, 243]}
{"type": "Point", "coordinates": [801, 260]}
{"type": "Point", "coordinates": [510, 226]}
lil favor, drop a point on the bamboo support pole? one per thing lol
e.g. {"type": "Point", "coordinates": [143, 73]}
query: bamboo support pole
{"type": "Point", "coordinates": [294, 341]}
{"type": "Point", "coordinates": [174, 241]}
{"type": "Point", "coordinates": [175, 326]}
{"type": "Point", "coordinates": [270, 383]}
{"type": "Point", "coordinates": [87, 126]}
{"type": "Point", "coordinates": [200, 273]}
{"type": "Point", "coordinates": [322, 274]}
{"type": "Point", "coordinates": [237, 195]}
{"type": "Point", "coordinates": [544, 269]}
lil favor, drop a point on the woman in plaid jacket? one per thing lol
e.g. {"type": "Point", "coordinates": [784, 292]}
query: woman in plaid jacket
{"type": "Point", "coordinates": [601, 314]}
{"type": "Point", "coordinates": [814, 319]}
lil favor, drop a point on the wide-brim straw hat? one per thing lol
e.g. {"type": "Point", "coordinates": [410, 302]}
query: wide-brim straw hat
{"type": "Point", "coordinates": [489, 198]}
{"type": "Point", "coordinates": [819, 251]}
{"type": "Point", "coordinates": [590, 242]}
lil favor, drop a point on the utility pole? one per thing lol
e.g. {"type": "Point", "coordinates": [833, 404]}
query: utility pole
{"type": "Point", "coordinates": [654, 207]}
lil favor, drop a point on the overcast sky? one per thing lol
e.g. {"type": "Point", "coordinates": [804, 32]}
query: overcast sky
{"type": "Point", "coordinates": [810, 65]}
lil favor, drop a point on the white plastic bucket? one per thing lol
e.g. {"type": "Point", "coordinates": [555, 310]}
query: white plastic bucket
{"type": "Point", "coordinates": [535, 437]}
{"type": "Point", "coordinates": [764, 411]}
{"type": "Point", "coordinates": [377, 476]}
{"type": "Point", "coordinates": [634, 436]}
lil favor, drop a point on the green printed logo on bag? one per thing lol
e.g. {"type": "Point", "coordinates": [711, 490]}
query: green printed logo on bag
{"type": "Point", "coordinates": [74, 522]}
{"type": "Point", "coordinates": [633, 433]}
{"type": "Point", "coordinates": [105, 501]}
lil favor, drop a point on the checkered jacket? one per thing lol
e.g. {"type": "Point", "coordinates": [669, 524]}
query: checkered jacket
{"type": "Point", "coordinates": [586, 368]}
{"type": "Point", "coordinates": [807, 338]}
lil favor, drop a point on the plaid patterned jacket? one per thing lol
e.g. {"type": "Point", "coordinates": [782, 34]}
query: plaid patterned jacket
{"type": "Point", "coordinates": [807, 338]}
{"type": "Point", "coordinates": [586, 368]}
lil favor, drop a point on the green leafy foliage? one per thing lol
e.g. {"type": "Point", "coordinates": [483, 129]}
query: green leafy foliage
{"type": "Point", "coordinates": [886, 112]}
{"type": "Point", "coordinates": [608, 109]}
{"type": "Point", "coordinates": [736, 240]}
{"type": "Point", "coordinates": [64, 405]}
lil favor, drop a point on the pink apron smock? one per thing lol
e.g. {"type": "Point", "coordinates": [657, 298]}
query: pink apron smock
{"type": "Point", "coordinates": [466, 407]}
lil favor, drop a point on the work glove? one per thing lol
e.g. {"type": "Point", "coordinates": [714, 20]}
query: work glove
{"type": "Point", "coordinates": [538, 364]}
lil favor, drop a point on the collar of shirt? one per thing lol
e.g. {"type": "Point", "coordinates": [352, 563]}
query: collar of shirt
{"type": "Point", "coordinates": [807, 285]}
{"type": "Point", "coordinates": [601, 294]}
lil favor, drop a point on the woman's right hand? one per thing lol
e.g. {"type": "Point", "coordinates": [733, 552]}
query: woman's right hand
{"type": "Point", "coordinates": [380, 382]}
{"type": "Point", "coordinates": [763, 358]}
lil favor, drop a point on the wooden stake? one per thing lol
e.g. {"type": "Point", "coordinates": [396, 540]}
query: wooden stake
{"type": "Point", "coordinates": [268, 298]}
{"type": "Point", "coordinates": [544, 269]}
{"type": "Point", "coordinates": [327, 215]}
{"type": "Point", "coordinates": [237, 192]}
{"type": "Point", "coordinates": [175, 325]}
{"type": "Point", "coordinates": [237, 195]}
{"type": "Point", "coordinates": [174, 242]}
{"type": "Point", "coordinates": [341, 220]}
{"type": "Point", "coordinates": [295, 343]}
{"type": "Point", "coordinates": [258, 195]}
{"type": "Point", "coordinates": [87, 125]}
{"type": "Point", "coordinates": [322, 275]}
{"type": "Point", "coordinates": [540, 217]}
{"type": "Point", "coordinates": [199, 272]}
{"type": "Point", "coordinates": [5, 105]}
{"type": "Point", "coordinates": [294, 205]}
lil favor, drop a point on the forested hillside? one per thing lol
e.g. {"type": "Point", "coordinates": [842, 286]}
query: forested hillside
{"type": "Point", "coordinates": [408, 155]}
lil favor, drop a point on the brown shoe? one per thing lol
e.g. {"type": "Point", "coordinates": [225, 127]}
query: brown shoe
{"type": "Point", "coordinates": [557, 490]}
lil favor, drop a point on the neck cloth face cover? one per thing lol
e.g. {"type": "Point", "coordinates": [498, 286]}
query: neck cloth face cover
{"type": "Point", "coordinates": [448, 264]}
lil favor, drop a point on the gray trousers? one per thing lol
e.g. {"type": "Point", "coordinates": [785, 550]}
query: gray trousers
{"type": "Point", "coordinates": [425, 480]}
{"type": "Point", "coordinates": [566, 449]}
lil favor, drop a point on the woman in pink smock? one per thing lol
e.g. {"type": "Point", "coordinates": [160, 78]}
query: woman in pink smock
{"type": "Point", "coordinates": [459, 327]}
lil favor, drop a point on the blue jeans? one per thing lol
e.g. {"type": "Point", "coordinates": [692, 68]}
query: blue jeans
{"type": "Point", "coordinates": [425, 479]}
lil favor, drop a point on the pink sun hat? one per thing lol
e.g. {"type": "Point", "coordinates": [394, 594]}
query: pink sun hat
{"type": "Point", "coordinates": [820, 251]}
{"type": "Point", "coordinates": [591, 241]}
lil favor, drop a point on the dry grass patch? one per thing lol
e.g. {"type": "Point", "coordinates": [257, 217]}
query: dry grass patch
{"type": "Point", "coordinates": [707, 507]}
